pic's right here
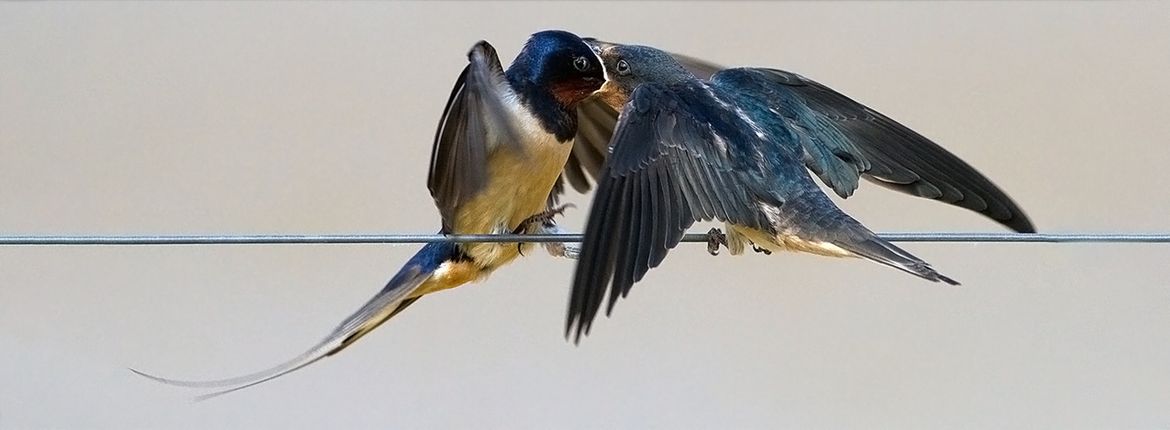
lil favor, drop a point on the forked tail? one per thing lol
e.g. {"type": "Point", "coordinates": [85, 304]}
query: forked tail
{"type": "Point", "coordinates": [879, 250]}
{"type": "Point", "coordinates": [393, 298]}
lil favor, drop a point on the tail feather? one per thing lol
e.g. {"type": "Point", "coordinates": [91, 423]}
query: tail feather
{"type": "Point", "coordinates": [814, 218]}
{"type": "Point", "coordinates": [878, 250]}
{"type": "Point", "coordinates": [388, 302]}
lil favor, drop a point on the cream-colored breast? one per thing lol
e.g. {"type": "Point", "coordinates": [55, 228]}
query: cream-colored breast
{"type": "Point", "coordinates": [520, 178]}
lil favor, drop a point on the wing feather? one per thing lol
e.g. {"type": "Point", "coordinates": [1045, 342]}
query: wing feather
{"type": "Point", "coordinates": [666, 170]}
{"type": "Point", "coordinates": [475, 117]}
{"type": "Point", "coordinates": [596, 122]}
{"type": "Point", "coordinates": [843, 138]}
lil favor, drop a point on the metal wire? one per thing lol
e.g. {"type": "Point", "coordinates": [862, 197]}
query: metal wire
{"type": "Point", "coordinates": [425, 238]}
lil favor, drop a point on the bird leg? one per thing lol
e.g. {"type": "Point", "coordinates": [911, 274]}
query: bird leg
{"type": "Point", "coordinates": [764, 251]}
{"type": "Point", "coordinates": [544, 218]}
{"type": "Point", "coordinates": [541, 223]}
{"type": "Point", "coordinates": [715, 238]}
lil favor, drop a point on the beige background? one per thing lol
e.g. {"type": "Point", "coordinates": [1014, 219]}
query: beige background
{"type": "Point", "coordinates": [317, 118]}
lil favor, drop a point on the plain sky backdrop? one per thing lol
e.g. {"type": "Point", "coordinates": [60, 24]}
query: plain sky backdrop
{"type": "Point", "coordinates": [190, 118]}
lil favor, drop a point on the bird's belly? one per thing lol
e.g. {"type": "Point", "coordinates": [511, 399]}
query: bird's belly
{"type": "Point", "coordinates": [518, 187]}
{"type": "Point", "coordinates": [738, 235]}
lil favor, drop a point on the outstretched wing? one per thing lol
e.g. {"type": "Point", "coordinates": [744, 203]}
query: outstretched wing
{"type": "Point", "coordinates": [845, 139]}
{"type": "Point", "coordinates": [596, 121]}
{"type": "Point", "coordinates": [393, 298]}
{"type": "Point", "coordinates": [474, 119]}
{"type": "Point", "coordinates": [667, 170]}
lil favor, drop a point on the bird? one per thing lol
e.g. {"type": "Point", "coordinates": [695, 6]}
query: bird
{"type": "Point", "coordinates": [892, 155]}
{"type": "Point", "coordinates": [739, 147]}
{"type": "Point", "coordinates": [502, 141]}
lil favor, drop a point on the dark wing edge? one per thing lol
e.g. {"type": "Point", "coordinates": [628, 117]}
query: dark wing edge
{"type": "Point", "coordinates": [665, 173]}
{"type": "Point", "coordinates": [898, 157]}
{"type": "Point", "coordinates": [458, 166]}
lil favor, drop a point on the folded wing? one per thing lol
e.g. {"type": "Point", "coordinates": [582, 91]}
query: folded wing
{"type": "Point", "coordinates": [474, 119]}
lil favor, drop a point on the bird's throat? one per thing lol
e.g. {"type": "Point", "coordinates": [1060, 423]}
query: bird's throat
{"type": "Point", "coordinates": [613, 95]}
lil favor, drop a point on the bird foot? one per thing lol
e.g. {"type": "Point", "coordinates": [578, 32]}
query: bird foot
{"type": "Point", "coordinates": [764, 251]}
{"type": "Point", "coordinates": [715, 238]}
{"type": "Point", "coordinates": [543, 223]}
{"type": "Point", "coordinates": [541, 218]}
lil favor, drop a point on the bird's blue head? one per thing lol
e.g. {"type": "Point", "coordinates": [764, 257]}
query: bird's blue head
{"type": "Point", "coordinates": [632, 65]}
{"type": "Point", "coordinates": [556, 65]}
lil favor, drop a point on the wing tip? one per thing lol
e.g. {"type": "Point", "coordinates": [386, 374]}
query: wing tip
{"type": "Point", "coordinates": [1020, 223]}
{"type": "Point", "coordinates": [946, 279]}
{"type": "Point", "coordinates": [575, 330]}
{"type": "Point", "coordinates": [481, 46]}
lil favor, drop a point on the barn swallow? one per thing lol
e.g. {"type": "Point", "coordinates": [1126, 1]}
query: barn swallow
{"type": "Point", "coordinates": [738, 148]}
{"type": "Point", "coordinates": [501, 144]}
{"type": "Point", "coordinates": [858, 138]}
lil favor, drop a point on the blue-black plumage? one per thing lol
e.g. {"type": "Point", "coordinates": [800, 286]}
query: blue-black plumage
{"type": "Point", "coordinates": [728, 149]}
{"type": "Point", "coordinates": [842, 139]}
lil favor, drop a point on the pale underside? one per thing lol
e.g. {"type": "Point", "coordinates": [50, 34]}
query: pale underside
{"type": "Point", "coordinates": [784, 239]}
{"type": "Point", "coordinates": [739, 236]}
{"type": "Point", "coordinates": [520, 179]}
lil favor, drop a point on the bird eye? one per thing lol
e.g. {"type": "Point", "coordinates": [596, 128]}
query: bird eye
{"type": "Point", "coordinates": [623, 68]}
{"type": "Point", "coordinates": [581, 63]}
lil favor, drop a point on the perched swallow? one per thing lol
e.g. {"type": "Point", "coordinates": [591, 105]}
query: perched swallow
{"type": "Point", "coordinates": [738, 148]}
{"type": "Point", "coordinates": [500, 147]}
{"type": "Point", "coordinates": [852, 137]}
